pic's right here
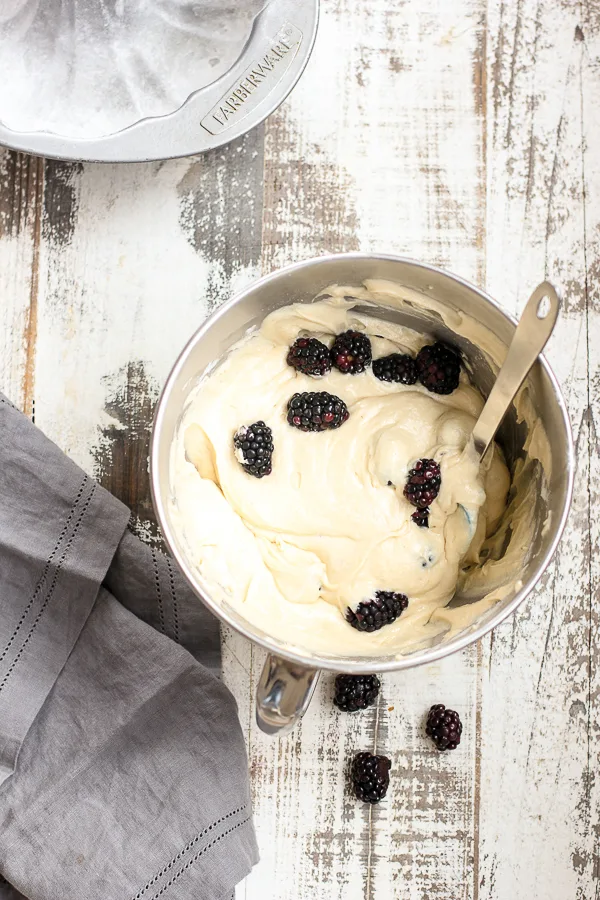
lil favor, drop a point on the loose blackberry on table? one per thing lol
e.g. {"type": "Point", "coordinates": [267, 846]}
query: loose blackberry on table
{"type": "Point", "coordinates": [397, 367]}
{"type": "Point", "coordinates": [423, 483]}
{"type": "Point", "coordinates": [439, 368]}
{"type": "Point", "coordinates": [370, 776]}
{"type": "Point", "coordinates": [444, 727]}
{"type": "Point", "coordinates": [309, 356]}
{"type": "Point", "coordinates": [253, 446]}
{"type": "Point", "coordinates": [351, 352]}
{"type": "Point", "coordinates": [383, 609]}
{"type": "Point", "coordinates": [354, 692]}
{"type": "Point", "coordinates": [317, 411]}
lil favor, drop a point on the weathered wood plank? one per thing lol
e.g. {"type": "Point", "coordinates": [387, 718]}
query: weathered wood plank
{"type": "Point", "coordinates": [379, 147]}
{"type": "Point", "coordinates": [21, 193]}
{"type": "Point", "coordinates": [585, 857]}
{"type": "Point", "coordinates": [539, 754]}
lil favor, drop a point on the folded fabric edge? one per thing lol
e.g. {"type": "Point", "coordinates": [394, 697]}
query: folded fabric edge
{"type": "Point", "coordinates": [18, 710]}
{"type": "Point", "coordinates": [150, 585]}
{"type": "Point", "coordinates": [52, 616]}
{"type": "Point", "coordinates": [8, 892]}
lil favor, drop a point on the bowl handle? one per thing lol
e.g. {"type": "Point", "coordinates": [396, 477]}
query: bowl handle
{"type": "Point", "coordinates": [283, 694]}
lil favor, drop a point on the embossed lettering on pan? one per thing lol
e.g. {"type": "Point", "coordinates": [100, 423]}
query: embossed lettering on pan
{"type": "Point", "coordinates": [257, 81]}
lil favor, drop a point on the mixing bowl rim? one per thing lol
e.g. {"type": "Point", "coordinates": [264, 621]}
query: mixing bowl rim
{"type": "Point", "coordinates": [357, 665]}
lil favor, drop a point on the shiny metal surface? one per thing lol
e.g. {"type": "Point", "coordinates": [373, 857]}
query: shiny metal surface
{"type": "Point", "coordinates": [531, 336]}
{"type": "Point", "coordinates": [302, 282]}
{"type": "Point", "coordinates": [284, 691]}
{"type": "Point", "coordinates": [277, 53]}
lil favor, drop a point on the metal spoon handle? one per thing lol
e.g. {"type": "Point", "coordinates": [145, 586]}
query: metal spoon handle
{"type": "Point", "coordinates": [530, 337]}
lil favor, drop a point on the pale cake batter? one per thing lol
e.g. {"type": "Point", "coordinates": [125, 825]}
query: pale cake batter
{"type": "Point", "coordinates": [330, 526]}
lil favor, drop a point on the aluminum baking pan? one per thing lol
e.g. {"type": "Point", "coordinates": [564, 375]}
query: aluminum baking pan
{"type": "Point", "coordinates": [270, 65]}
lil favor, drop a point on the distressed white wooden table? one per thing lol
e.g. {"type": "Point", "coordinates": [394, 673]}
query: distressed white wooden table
{"type": "Point", "coordinates": [461, 132]}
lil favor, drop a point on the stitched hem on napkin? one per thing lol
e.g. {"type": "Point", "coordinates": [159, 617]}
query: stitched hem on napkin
{"type": "Point", "coordinates": [47, 589]}
{"type": "Point", "coordinates": [218, 858]}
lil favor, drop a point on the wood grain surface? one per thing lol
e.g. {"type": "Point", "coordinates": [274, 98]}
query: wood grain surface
{"type": "Point", "coordinates": [460, 132]}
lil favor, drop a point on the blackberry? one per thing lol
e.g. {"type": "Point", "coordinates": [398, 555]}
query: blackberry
{"type": "Point", "coordinates": [383, 609]}
{"type": "Point", "coordinates": [371, 776]}
{"type": "Point", "coordinates": [309, 356]}
{"type": "Point", "coordinates": [444, 727]}
{"type": "Point", "coordinates": [421, 517]}
{"type": "Point", "coordinates": [253, 445]}
{"type": "Point", "coordinates": [351, 352]}
{"type": "Point", "coordinates": [423, 483]}
{"type": "Point", "coordinates": [316, 412]}
{"type": "Point", "coordinates": [439, 368]}
{"type": "Point", "coordinates": [353, 692]}
{"type": "Point", "coordinates": [396, 367]}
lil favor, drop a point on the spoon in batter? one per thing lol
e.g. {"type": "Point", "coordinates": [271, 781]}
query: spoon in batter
{"type": "Point", "coordinates": [530, 337]}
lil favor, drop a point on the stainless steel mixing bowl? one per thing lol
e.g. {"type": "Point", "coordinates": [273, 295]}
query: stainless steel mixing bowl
{"type": "Point", "coordinates": [291, 672]}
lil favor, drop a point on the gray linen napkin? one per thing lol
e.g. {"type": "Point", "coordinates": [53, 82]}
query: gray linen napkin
{"type": "Point", "coordinates": [123, 772]}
